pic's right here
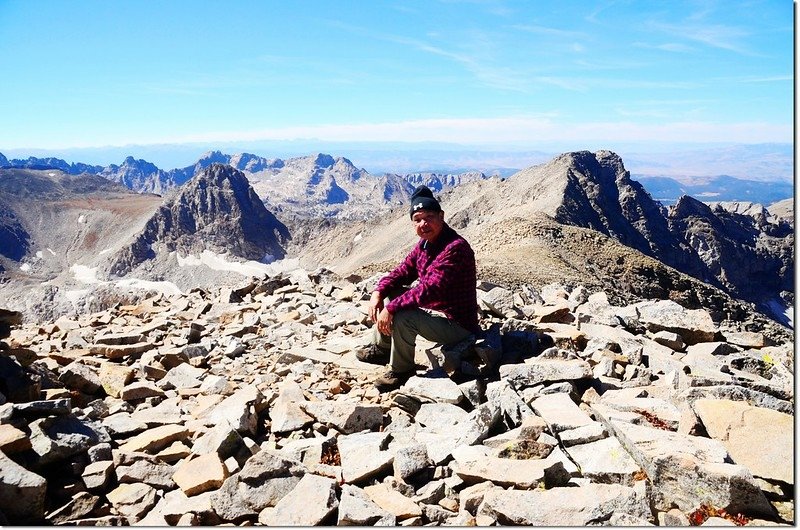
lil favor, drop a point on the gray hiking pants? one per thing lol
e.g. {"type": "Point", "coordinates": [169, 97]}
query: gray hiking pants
{"type": "Point", "coordinates": [406, 325]}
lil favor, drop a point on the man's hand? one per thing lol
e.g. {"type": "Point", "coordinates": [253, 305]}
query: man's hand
{"type": "Point", "coordinates": [375, 305]}
{"type": "Point", "coordinates": [384, 322]}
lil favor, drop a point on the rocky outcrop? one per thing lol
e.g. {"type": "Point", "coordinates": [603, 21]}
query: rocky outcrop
{"type": "Point", "coordinates": [600, 195]}
{"type": "Point", "coordinates": [217, 210]}
{"type": "Point", "coordinates": [324, 186]}
{"type": "Point", "coordinates": [253, 409]}
{"type": "Point", "coordinates": [32, 162]}
{"type": "Point", "coordinates": [14, 239]}
{"type": "Point", "coordinates": [140, 176]}
{"type": "Point", "coordinates": [748, 253]}
{"type": "Point", "coordinates": [440, 181]}
{"type": "Point", "coordinates": [783, 211]}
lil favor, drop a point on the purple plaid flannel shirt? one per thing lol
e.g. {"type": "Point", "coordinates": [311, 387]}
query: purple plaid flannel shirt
{"type": "Point", "coordinates": [447, 279]}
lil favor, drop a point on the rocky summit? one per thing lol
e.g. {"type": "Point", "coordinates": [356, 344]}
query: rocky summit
{"type": "Point", "coordinates": [247, 405]}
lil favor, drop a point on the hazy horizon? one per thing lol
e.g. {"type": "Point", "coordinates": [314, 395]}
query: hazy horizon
{"type": "Point", "coordinates": [761, 162]}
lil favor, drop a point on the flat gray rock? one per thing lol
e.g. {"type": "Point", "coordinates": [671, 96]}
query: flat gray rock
{"type": "Point", "coordinates": [311, 501]}
{"type": "Point", "coordinates": [583, 435]}
{"type": "Point", "coordinates": [223, 440]}
{"type": "Point", "coordinates": [688, 470]}
{"type": "Point", "coordinates": [410, 460]}
{"type": "Point", "coordinates": [760, 439]}
{"type": "Point", "coordinates": [132, 500]}
{"type": "Point", "coordinates": [604, 461]}
{"type": "Point", "coordinates": [183, 376]}
{"type": "Point", "coordinates": [364, 455]}
{"type": "Point", "coordinates": [166, 412]}
{"type": "Point", "coordinates": [436, 389]}
{"type": "Point", "coordinates": [156, 474]}
{"type": "Point", "coordinates": [476, 464]}
{"type": "Point", "coordinates": [590, 504]}
{"type": "Point", "coordinates": [693, 325]}
{"type": "Point", "coordinates": [346, 417]}
{"type": "Point", "coordinates": [560, 412]}
{"type": "Point", "coordinates": [439, 417]}
{"type": "Point", "coordinates": [264, 480]}
{"type": "Point", "coordinates": [122, 424]}
{"type": "Point", "coordinates": [534, 371]}
{"type": "Point", "coordinates": [22, 492]}
{"type": "Point", "coordinates": [286, 412]}
{"type": "Point", "coordinates": [357, 509]}
{"type": "Point", "coordinates": [57, 438]}
{"type": "Point", "coordinates": [239, 410]}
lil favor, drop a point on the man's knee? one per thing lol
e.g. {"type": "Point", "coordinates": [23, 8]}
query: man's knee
{"type": "Point", "coordinates": [404, 318]}
{"type": "Point", "coordinates": [405, 325]}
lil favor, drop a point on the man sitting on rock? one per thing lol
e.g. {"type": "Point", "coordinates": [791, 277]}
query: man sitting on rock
{"type": "Point", "coordinates": [441, 307]}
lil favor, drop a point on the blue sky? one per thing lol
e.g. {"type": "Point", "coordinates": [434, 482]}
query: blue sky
{"type": "Point", "coordinates": [479, 72]}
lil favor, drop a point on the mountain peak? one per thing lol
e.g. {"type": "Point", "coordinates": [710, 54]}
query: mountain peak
{"type": "Point", "coordinates": [687, 206]}
{"type": "Point", "coordinates": [211, 157]}
{"type": "Point", "coordinates": [323, 160]}
{"type": "Point", "coordinates": [216, 174]}
{"type": "Point", "coordinates": [216, 210]}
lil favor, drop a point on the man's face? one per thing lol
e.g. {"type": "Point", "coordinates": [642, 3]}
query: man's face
{"type": "Point", "coordinates": [428, 224]}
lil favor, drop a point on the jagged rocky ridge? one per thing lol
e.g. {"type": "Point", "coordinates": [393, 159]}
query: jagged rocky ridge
{"type": "Point", "coordinates": [748, 254]}
{"type": "Point", "coordinates": [217, 210]}
{"type": "Point", "coordinates": [599, 194]}
{"type": "Point", "coordinates": [247, 405]}
{"type": "Point", "coordinates": [311, 185]}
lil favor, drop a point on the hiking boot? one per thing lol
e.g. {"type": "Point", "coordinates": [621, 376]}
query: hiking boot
{"type": "Point", "coordinates": [392, 380]}
{"type": "Point", "coordinates": [373, 354]}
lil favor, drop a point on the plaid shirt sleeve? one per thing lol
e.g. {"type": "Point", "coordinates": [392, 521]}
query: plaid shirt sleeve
{"type": "Point", "coordinates": [403, 274]}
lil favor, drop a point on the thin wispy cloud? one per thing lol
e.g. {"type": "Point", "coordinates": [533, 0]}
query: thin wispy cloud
{"type": "Point", "coordinates": [714, 35]}
{"type": "Point", "coordinates": [672, 47]}
{"type": "Point", "coordinates": [767, 79]}
{"type": "Point", "coordinates": [483, 69]}
{"type": "Point", "coordinates": [601, 64]}
{"type": "Point", "coordinates": [594, 15]}
{"type": "Point", "coordinates": [551, 32]}
{"type": "Point", "coordinates": [494, 76]}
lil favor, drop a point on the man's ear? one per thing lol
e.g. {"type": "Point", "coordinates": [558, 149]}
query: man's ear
{"type": "Point", "coordinates": [441, 215]}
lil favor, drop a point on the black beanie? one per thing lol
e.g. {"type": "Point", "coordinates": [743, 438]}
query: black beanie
{"type": "Point", "coordinates": [422, 199]}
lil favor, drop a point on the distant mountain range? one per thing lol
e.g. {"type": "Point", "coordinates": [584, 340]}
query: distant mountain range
{"type": "Point", "coordinates": [314, 185]}
{"type": "Point", "coordinates": [578, 219]}
{"type": "Point", "coordinates": [714, 189]}
{"type": "Point", "coordinates": [270, 177]}
{"type": "Point", "coordinates": [765, 162]}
